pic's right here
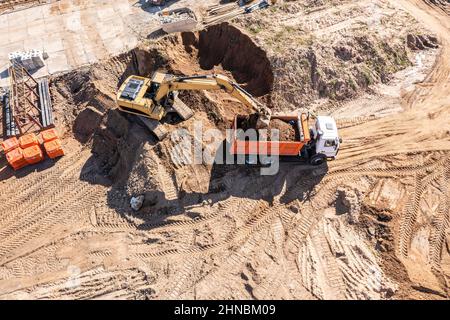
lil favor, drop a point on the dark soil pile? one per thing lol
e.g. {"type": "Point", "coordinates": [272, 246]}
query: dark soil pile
{"type": "Point", "coordinates": [286, 131]}
{"type": "Point", "coordinates": [247, 122]}
{"type": "Point", "coordinates": [421, 42]}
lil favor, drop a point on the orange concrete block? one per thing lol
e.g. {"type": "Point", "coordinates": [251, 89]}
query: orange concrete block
{"type": "Point", "coordinates": [49, 135]}
{"type": "Point", "coordinates": [28, 140]}
{"type": "Point", "coordinates": [33, 154]}
{"type": "Point", "coordinates": [10, 144]}
{"type": "Point", "coordinates": [54, 149]}
{"type": "Point", "coordinates": [16, 159]}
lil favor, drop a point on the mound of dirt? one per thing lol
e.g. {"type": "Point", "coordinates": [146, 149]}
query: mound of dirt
{"type": "Point", "coordinates": [111, 147]}
{"type": "Point", "coordinates": [86, 123]}
{"type": "Point", "coordinates": [286, 131]}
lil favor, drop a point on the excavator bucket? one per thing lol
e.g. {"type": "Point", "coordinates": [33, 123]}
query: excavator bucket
{"type": "Point", "coordinates": [156, 127]}
{"type": "Point", "coordinates": [180, 108]}
{"type": "Point", "coordinates": [263, 122]}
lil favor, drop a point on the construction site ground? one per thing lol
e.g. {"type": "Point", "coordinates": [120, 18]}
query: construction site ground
{"type": "Point", "coordinates": [373, 224]}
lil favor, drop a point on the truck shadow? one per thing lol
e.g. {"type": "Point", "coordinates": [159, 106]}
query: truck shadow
{"type": "Point", "coordinates": [283, 181]}
{"type": "Point", "coordinates": [292, 181]}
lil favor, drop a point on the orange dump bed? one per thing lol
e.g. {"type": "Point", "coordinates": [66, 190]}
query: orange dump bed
{"type": "Point", "coordinates": [28, 140]}
{"type": "Point", "coordinates": [54, 149]}
{"type": "Point", "coordinates": [49, 135]}
{"type": "Point", "coordinates": [33, 154]}
{"type": "Point", "coordinates": [282, 148]}
{"type": "Point", "coordinates": [10, 144]}
{"type": "Point", "coordinates": [16, 159]}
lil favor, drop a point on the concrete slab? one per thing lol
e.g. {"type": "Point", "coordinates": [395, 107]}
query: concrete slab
{"type": "Point", "coordinates": [36, 28]}
{"type": "Point", "coordinates": [74, 49]}
{"type": "Point", "coordinates": [73, 33]}
{"type": "Point", "coordinates": [76, 56]}
{"type": "Point", "coordinates": [17, 19]}
{"type": "Point", "coordinates": [122, 8]}
{"type": "Point", "coordinates": [51, 10]}
{"type": "Point", "coordinates": [57, 62]}
{"type": "Point", "coordinates": [114, 45]}
{"type": "Point", "coordinates": [33, 43]}
{"type": "Point", "coordinates": [70, 6]}
{"type": "Point", "coordinates": [10, 47]}
{"type": "Point", "coordinates": [54, 24]}
{"type": "Point", "coordinates": [106, 13]}
{"type": "Point", "coordinates": [17, 34]}
{"type": "Point", "coordinates": [4, 38]}
{"type": "Point", "coordinates": [91, 56]}
{"type": "Point", "coordinates": [72, 21]}
{"type": "Point", "coordinates": [3, 21]}
{"type": "Point", "coordinates": [35, 14]}
{"type": "Point", "coordinates": [53, 43]}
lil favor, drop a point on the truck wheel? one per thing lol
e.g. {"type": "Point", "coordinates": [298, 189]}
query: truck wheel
{"type": "Point", "coordinates": [317, 159]}
{"type": "Point", "coordinates": [251, 160]}
{"type": "Point", "coordinates": [266, 160]}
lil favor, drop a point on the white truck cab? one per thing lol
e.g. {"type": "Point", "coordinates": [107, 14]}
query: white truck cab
{"type": "Point", "coordinates": [326, 136]}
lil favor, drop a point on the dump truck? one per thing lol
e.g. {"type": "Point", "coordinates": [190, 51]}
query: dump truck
{"type": "Point", "coordinates": [314, 141]}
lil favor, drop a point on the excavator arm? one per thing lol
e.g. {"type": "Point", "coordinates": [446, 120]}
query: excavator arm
{"type": "Point", "coordinates": [215, 82]}
{"type": "Point", "coordinates": [148, 97]}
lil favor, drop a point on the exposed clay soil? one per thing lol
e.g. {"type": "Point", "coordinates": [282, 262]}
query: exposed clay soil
{"type": "Point", "coordinates": [247, 122]}
{"type": "Point", "coordinates": [371, 225]}
{"type": "Point", "coordinates": [285, 130]}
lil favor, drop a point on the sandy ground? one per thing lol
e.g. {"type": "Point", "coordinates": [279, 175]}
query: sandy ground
{"type": "Point", "coordinates": [371, 225]}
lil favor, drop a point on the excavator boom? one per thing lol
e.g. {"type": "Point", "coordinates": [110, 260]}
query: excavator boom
{"type": "Point", "coordinates": [214, 82]}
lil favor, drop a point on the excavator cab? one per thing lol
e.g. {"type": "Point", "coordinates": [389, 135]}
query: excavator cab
{"type": "Point", "coordinates": [136, 96]}
{"type": "Point", "coordinates": [131, 89]}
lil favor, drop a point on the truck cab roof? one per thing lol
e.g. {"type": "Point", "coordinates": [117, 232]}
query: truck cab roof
{"type": "Point", "coordinates": [328, 127]}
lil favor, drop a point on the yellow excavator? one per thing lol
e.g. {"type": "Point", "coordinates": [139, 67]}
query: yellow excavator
{"type": "Point", "coordinates": [153, 98]}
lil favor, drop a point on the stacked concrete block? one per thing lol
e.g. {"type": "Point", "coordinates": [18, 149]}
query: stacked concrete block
{"type": "Point", "coordinates": [38, 58]}
{"type": "Point", "coordinates": [31, 60]}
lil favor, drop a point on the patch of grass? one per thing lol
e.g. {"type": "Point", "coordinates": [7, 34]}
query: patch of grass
{"type": "Point", "coordinates": [352, 84]}
{"type": "Point", "coordinates": [306, 41]}
{"type": "Point", "coordinates": [304, 63]}
{"type": "Point", "coordinates": [367, 75]}
{"type": "Point", "coordinates": [254, 29]}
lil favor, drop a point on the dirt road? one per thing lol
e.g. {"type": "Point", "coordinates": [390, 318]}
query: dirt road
{"type": "Point", "coordinates": [425, 124]}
